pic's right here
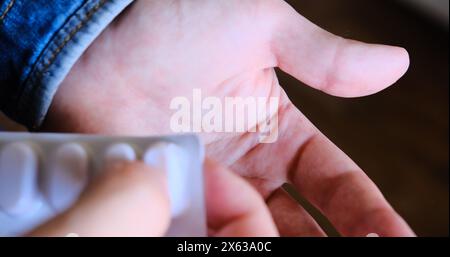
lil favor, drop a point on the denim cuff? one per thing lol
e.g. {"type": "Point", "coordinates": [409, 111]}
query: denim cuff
{"type": "Point", "coordinates": [40, 41]}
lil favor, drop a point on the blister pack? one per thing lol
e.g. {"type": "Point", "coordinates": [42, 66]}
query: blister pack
{"type": "Point", "coordinates": [41, 175]}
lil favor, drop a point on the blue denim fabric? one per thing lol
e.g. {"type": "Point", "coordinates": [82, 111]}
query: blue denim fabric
{"type": "Point", "coordinates": [40, 40]}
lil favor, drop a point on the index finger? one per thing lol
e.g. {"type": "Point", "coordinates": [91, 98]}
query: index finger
{"type": "Point", "coordinates": [331, 181]}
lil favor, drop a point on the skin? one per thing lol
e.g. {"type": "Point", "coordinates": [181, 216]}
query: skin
{"type": "Point", "coordinates": [131, 199]}
{"type": "Point", "coordinates": [159, 49]}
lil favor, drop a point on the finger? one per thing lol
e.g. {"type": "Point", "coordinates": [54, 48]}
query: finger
{"type": "Point", "coordinates": [323, 175]}
{"type": "Point", "coordinates": [129, 200]}
{"type": "Point", "coordinates": [332, 182]}
{"type": "Point", "coordinates": [333, 64]}
{"type": "Point", "coordinates": [291, 218]}
{"type": "Point", "coordinates": [234, 208]}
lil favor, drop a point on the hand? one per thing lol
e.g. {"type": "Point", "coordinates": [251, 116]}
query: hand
{"type": "Point", "coordinates": [158, 50]}
{"type": "Point", "coordinates": [131, 199]}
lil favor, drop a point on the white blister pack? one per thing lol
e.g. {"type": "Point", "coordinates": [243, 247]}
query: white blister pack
{"type": "Point", "coordinates": [41, 175]}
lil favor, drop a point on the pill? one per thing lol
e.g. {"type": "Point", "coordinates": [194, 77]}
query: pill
{"type": "Point", "coordinates": [66, 176]}
{"type": "Point", "coordinates": [119, 152]}
{"type": "Point", "coordinates": [18, 178]}
{"type": "Point", "coordinates": [172, 159]}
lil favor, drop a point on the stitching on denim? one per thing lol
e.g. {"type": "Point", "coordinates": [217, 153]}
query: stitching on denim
{"type": "Point", "coordinates": [89, 14]}
{"type": "Point", "coordinates": [47, 62]}
{"type": "Point", "coordinates": [8, 8]}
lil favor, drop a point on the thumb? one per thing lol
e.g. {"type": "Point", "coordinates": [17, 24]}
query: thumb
{"type": "Point", "coordinates": [332, 64]}
{"type": "Point", "coordinates": [130, 199]}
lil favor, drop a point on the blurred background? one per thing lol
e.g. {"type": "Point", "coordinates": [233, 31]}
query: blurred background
{"type": "Point", "coordinates": [400, 136]}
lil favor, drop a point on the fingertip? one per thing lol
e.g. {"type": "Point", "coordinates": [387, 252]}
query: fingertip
{"type": "Point", "coordinates": [135, 175]}
{"type": "Point", "coordinates": [384, 222]}
{"type": "Point", "coordinates": [365, 69]}
{"type": "Point", "coordinates": [404, 60]}
{"type": "Point", "coordinates": [234, 207]}
{"type": "Point", "coordinates": [394, 63]}
{"type": "Point", "coordinates": [143, 183]}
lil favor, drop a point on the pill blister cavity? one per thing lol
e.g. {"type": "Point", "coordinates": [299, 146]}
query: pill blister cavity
{"type": "Point", "coordinates": [172, 159]}
{"type": "Point", "coordinates": [66, 176]}
{"type": "Point", "coordinates": [118, 153]}
{"type": "Point", "coordinates": [19, 166]}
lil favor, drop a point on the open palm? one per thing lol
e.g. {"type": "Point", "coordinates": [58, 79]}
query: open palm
{"type": "Point", "coordinates": [159, 49]}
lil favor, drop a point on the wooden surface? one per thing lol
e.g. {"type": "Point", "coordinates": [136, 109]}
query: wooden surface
{"type": "Point", "coordinates": [400, 136]}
